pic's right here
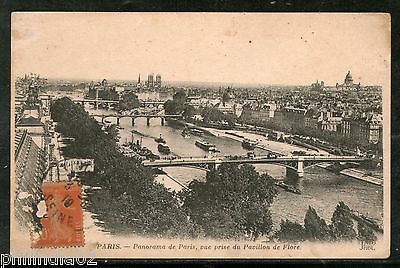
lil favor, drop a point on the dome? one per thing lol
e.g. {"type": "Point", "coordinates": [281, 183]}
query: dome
{"type": "Point", "coordinates": [348, 76]}
{"type": "Point", "coordinates": [349, 79]}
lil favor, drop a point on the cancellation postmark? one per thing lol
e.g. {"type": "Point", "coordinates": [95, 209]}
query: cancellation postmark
{"type": "Point", "coordinates": [62, 225]}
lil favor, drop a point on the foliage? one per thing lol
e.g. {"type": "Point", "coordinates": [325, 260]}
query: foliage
{"type": "Point", "coordinates": [112, 131]}
{"type": "Point", "coordinates": [365, 233]}
{"type": "Point", "coordinates": [232, 203]}
{"type": "Point", "coordinates": [170, 107]}
{"type": "Point", "coordinates": [226, 97]}
{"type": "Point", "coordinates": [180, 97]}
{"type": "Point", "coordinates": [296, 128]}
{"type": "Point", "coordinates": [342, 223]}
{"type": "Point", "coordinates": [177, 104]}
{"type": "Point", "coordinates": [188, 111]}
{"type": "Point", "coordinates": [291, 231]}
{"type": "Point", "coordinates": [213, 115]}
{"type": "Point", "coordinates": [104, 94]}
{"type": "Point", "coordinates": [129, 100]}
{"type": "Point", "coordinates": [315, 227]}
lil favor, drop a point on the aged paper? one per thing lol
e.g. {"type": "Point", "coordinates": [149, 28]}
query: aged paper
{"type": "Point", "coordinates": [200, 135]}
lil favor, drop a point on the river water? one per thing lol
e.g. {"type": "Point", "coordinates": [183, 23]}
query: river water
{"type": "Point", "coordinates": [320, 188]}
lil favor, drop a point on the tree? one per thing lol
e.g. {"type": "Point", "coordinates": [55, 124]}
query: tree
{"type": "Point", "coordinates": [104, 94]}
{"type": "Point", "coordinates": [112, 131]}
{"type": "Point", "coordinates": [171, 107]}
{"type": "Point", "coordinates": [129, 101]}
{"type": "Point", "coordinates": [188, 111]}
{"type": "Point", "coordinates": [315, 227]}
{"type": "Point", "coordinates": [233, 202]}
{"type": "Point", "coordinates": [226, 97]}
{"type": "Point", "coordinates": [365, 233]}
{"type": "Point", "coordinates": [342, 223]}
{"type": "Point", "coordinates": [178, 103]}
{"type": "Point", "coordinates": [290, 231]}
{"type": "Point", "coordinates": [180, 97]}
{"type": "Point", "coordinates": [212, 115]}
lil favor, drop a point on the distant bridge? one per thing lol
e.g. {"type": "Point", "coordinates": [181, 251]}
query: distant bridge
{"type": "Point", "coordinates": [134, 116]}
{"type": "Point", "coordinates": [83, 101]}
{"type": "Point", "coordinates": [96, 102]}
{"type": "Point", "coordinates": [143, 103]}
{"type": "Point", "coordinates": [295, 163]}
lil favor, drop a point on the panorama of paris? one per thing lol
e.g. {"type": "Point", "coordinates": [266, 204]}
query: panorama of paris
{"type": "Point", "coordinates": [307, 163]}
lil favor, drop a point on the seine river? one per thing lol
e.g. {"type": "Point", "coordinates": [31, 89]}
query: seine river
{"type": "Point", "coordinates": [320, 188]}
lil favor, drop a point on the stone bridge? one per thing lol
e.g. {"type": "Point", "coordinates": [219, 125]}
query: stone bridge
{"type": "Point", "coordinates": [142, 103]}
{"type": "Point", "coordinates": [294, 163]}
{"type": "Point", "coordinates": [134, 116]}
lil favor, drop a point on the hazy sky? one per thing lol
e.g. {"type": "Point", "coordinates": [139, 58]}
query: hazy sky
{"type": "Point", "coordinates": [249, 48]}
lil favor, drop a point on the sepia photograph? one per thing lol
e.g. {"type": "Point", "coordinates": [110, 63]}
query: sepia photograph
{"type": "Point", "coordinates": [200, 135]}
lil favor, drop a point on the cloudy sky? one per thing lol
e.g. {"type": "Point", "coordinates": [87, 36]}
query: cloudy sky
{"type": "Point", "coordinates": [293, 49]}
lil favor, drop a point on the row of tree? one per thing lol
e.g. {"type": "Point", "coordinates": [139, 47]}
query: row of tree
{"type": "Point", "coordinates": [179, 105]}
{"type": "Point", "coordinates": [233, 202]}
{"type": "Point", "coordinates": [342, 227]}
{"type": "Point", "coordinates": [211, 115]}
{"type": "Point", "coordinates": [104, 94]}
{"type": "Point", "coordinates": [332, 137]}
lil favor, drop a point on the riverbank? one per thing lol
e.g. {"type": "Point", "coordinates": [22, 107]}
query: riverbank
{"type": "Point", "coordinates": [355, 173]}
{"type": "Point", "coordinates": [276, 147]}
{"type": "Point", "coordinates": [360, 175]}
{"type": "Point", "coordinates": [263, 143]}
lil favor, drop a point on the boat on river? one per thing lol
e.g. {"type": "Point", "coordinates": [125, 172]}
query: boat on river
{"type": "Point", "coordinates": [160, 139]}
{"type": "Point", "coordinates": [287, 187]}
{"type": "Point", "coordinates": [186, 133]}
{"type": "Point", "coordinates": [206, 146]}
{"type": "Point", "coordinates": [164, 149]}
{"type": "Point", "coordinates": [196, 131]}
{"type": "Point", "coordinates": [143, 151]}
{"type": "Point", "coordinates": [249, 144]}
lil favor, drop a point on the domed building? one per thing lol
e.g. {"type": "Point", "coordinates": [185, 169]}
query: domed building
{"type": "Point", "coordinates": [348, 80]}
{"type": "Point", "coordinates": [348, 83]}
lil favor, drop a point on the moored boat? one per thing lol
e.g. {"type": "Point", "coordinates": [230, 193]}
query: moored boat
{"type": "Point", "coordinates": [143, 151]}
{"type": "Point", "coordinates": [206, 146]}
{"type": "Point", "coordinates": [160, 139]}
{"type": "Point", "coordinates": [249, 144]}
{"type": "Point", "coordinates": [186, 133]}
{"type": "Point", "coordinates": [164, 149]}
{"type": "Point", "coordinates": [287, 187]}
{"type": "Point", "coordinates": [196, 131]}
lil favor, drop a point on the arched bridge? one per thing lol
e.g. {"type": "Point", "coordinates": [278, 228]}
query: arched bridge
{"type": "Point", "coordinates": [142, 103]}
{"type": "Point", "coordinates": [296, 163]}
{"type": "Point", "coordinates": [134, 116]}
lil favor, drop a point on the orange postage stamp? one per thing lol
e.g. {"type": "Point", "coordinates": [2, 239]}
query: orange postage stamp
{"type": "Point", "coordinates": [63, 225]}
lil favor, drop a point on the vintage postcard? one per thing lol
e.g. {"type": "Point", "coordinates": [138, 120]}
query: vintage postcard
{"type": "Point", "coordinates": [200, 135]}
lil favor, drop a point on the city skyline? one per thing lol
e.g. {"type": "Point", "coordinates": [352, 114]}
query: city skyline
{"type": "Point", "coordinates": [204, 47]}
